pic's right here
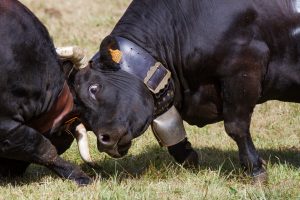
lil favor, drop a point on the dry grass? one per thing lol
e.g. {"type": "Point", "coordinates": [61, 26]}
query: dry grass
{"type": "Point", "coordinates": [148, 172]}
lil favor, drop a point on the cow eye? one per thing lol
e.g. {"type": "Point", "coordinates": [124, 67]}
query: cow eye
{"type": "Point", "coordinates": [93, 89]}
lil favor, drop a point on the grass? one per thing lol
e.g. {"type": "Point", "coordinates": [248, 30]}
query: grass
{"type": "Point", "coordinates": [148, 172]}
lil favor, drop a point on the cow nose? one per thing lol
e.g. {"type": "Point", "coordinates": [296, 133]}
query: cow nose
{"type": "Point", "coordinates": [106, 140]}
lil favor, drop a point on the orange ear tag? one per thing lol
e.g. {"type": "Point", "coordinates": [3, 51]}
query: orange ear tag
{"type": "Point", "coordinates": [116, 55]}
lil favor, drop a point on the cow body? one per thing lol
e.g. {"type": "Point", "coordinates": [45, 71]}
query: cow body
{"type": "Point", "coordinates": [225, 57]}
{"type": "Point", "coordinates": [37, 106]}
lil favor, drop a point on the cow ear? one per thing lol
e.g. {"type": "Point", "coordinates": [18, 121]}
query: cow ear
{"type": "Point", "coordinates": [109, 57]}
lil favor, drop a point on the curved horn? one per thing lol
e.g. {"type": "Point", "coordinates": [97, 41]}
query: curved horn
{"type": "Point", "coordinates": [75, 54]}
{"type": "Point", "coordinates": [83, 145]}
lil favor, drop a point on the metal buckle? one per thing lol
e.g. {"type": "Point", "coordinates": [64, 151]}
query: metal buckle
{"type": "Point", "coordinates": [162, 83]}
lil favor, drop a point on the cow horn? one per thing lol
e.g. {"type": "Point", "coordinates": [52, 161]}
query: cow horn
{"type": "Point", "coordinates": [75, 54]}
{"type": "Point", "coordinates": [83, 145]}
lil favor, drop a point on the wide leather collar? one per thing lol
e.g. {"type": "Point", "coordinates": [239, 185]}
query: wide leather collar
{"type": "Point", "coordinates": [56, 115]}
{"type": "Point", "coordinates": [136, 61]}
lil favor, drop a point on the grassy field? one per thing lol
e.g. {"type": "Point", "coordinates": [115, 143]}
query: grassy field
{"type": "Point", "coordinates": [148, 172]}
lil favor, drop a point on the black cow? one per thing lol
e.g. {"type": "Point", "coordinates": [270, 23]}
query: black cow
{"type": "Point", "coordinates": [38, 109]}
{"type": "Point", "coordinates": [224, 57]}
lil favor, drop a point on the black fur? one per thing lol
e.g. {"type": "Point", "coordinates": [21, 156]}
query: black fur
{"type": "Point", "coordinates": [225, 57]}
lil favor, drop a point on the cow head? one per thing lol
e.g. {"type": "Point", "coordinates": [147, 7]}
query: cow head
{"type": "Point", "coordinates": [119, 90]}
{"type": "Point", "coordinates": [117, 107]}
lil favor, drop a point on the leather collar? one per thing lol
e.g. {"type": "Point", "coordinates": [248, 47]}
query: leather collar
{"type": "Point", "coordinates": [55, 116]}
{"type": "Point", "coordinates": [136, 61]}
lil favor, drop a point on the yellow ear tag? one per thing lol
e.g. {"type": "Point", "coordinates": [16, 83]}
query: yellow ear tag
{"type": "Point", "coordinates": [116, 55]}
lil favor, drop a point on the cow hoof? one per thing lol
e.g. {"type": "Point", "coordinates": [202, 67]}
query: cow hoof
{"type": "Point", "coordinates": [83, 181]}
{"type": "Point", "coordinates": [192, 160]}
{"type": "Point", "coordinates": [260, 177]}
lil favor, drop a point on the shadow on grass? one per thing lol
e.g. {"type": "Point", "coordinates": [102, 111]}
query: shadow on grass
{"type": "Point", "coordinates": [33, 174]}
{"type": "Point", "coordinates": [158, 159]}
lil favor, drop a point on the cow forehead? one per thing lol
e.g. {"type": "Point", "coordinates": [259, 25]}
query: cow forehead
{"type": "Point", "coordinates": [6, 3]}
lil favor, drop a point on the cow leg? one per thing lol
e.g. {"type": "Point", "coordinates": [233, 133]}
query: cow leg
{"type": "Point", "coordinates": [184, 154]}
{"type": "Point", "coordinates": [26, 144]}
{"type": "Point", "coordinates": [237, 117]}
{"type": "Point", "coordinates": [12, 168]}
{"type": "Point", "coordinates": [241, 91]}
{"type": "Point", "coordinates": [238, 129]}
{"type": "Point", "coordinates": [61, 140]}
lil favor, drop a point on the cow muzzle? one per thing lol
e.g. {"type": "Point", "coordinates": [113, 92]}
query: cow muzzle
{"type": "Point", "coordinates": [113, 145]}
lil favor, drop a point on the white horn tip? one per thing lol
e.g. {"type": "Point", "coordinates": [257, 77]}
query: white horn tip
{"type": "Point", "coordinates": [75, 54]}
{"type": "Point", "coordinates": [82, 141]}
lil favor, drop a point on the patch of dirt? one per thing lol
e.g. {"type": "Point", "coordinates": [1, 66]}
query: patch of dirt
{"type": "Point", "coordinates": [52, 12]}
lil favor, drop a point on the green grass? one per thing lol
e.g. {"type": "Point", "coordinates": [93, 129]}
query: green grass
{"type": "Point", "coordinates": [148, 172]}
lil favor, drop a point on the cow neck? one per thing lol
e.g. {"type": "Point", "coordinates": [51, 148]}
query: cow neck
{"type": "Point", "coordinates": [60, 113]}
{"type": "Point", "coordinates": [138, 62]}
